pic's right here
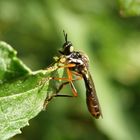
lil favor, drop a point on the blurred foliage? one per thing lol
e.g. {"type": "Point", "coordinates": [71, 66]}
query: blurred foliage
{"type": "Point", "coordinates": [130, 7]}
{"type": "Point", "coordinates": [112, 43]}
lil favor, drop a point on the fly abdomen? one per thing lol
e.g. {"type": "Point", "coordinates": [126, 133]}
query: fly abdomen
{"type": "Point", "coordinates": [93, 105]}
{"type": "Point", "coordinates": [91, 97]}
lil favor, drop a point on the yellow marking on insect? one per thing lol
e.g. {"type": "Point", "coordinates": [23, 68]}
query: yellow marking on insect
{"type": "Point", "coordinates": [63, 59]}
{"type": "Point", "coordinates": [71, 48]}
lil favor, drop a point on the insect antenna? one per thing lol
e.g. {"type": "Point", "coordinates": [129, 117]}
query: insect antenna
{"type": "Point", "coordinates": [65, 35]}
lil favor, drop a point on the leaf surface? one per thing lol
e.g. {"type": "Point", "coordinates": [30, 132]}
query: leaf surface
{"type": "Point", "coordinates": [22, 92]}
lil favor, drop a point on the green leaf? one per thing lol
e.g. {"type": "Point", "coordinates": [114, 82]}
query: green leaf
{"type": "Point", "coordinates": [130, 7]}
{"type": "Point", "coordinates": [22, 92]}
{"type": "Point", "coordinates": [10, 66]}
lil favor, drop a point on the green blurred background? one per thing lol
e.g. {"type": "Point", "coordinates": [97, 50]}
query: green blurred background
{"type": "Point", "coordinates": [112, 42]}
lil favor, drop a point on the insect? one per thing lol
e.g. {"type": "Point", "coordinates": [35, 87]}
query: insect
{"type": "Point", "coordinates": [76, 64]}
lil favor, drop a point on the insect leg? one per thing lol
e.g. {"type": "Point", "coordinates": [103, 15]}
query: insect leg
{"type": "Point", "coordinates": [67, 66]}
{"type": "Point", "coordinates": [61, 86]}
{"type": "Point", "coordinates": [77, 74]}
{"type": "Point", "coordinates": [71, 83]}
{"type": "Point", "coordinates": [69, 79]}
{"type": "Point", "coordinates": [56, 95]}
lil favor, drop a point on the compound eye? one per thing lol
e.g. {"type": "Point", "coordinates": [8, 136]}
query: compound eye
{"type": "Point", "coordinates": [68, 50]}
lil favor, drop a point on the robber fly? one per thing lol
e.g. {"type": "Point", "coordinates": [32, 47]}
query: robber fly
{"type": "Point", "coordinates": [76, 64]}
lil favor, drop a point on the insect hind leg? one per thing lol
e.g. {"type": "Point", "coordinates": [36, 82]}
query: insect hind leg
{"type": "Point", "coordinates": [56, 95]}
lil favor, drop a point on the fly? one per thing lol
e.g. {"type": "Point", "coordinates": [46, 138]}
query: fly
{"type": "Point", "coordinates": [76, 64]}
